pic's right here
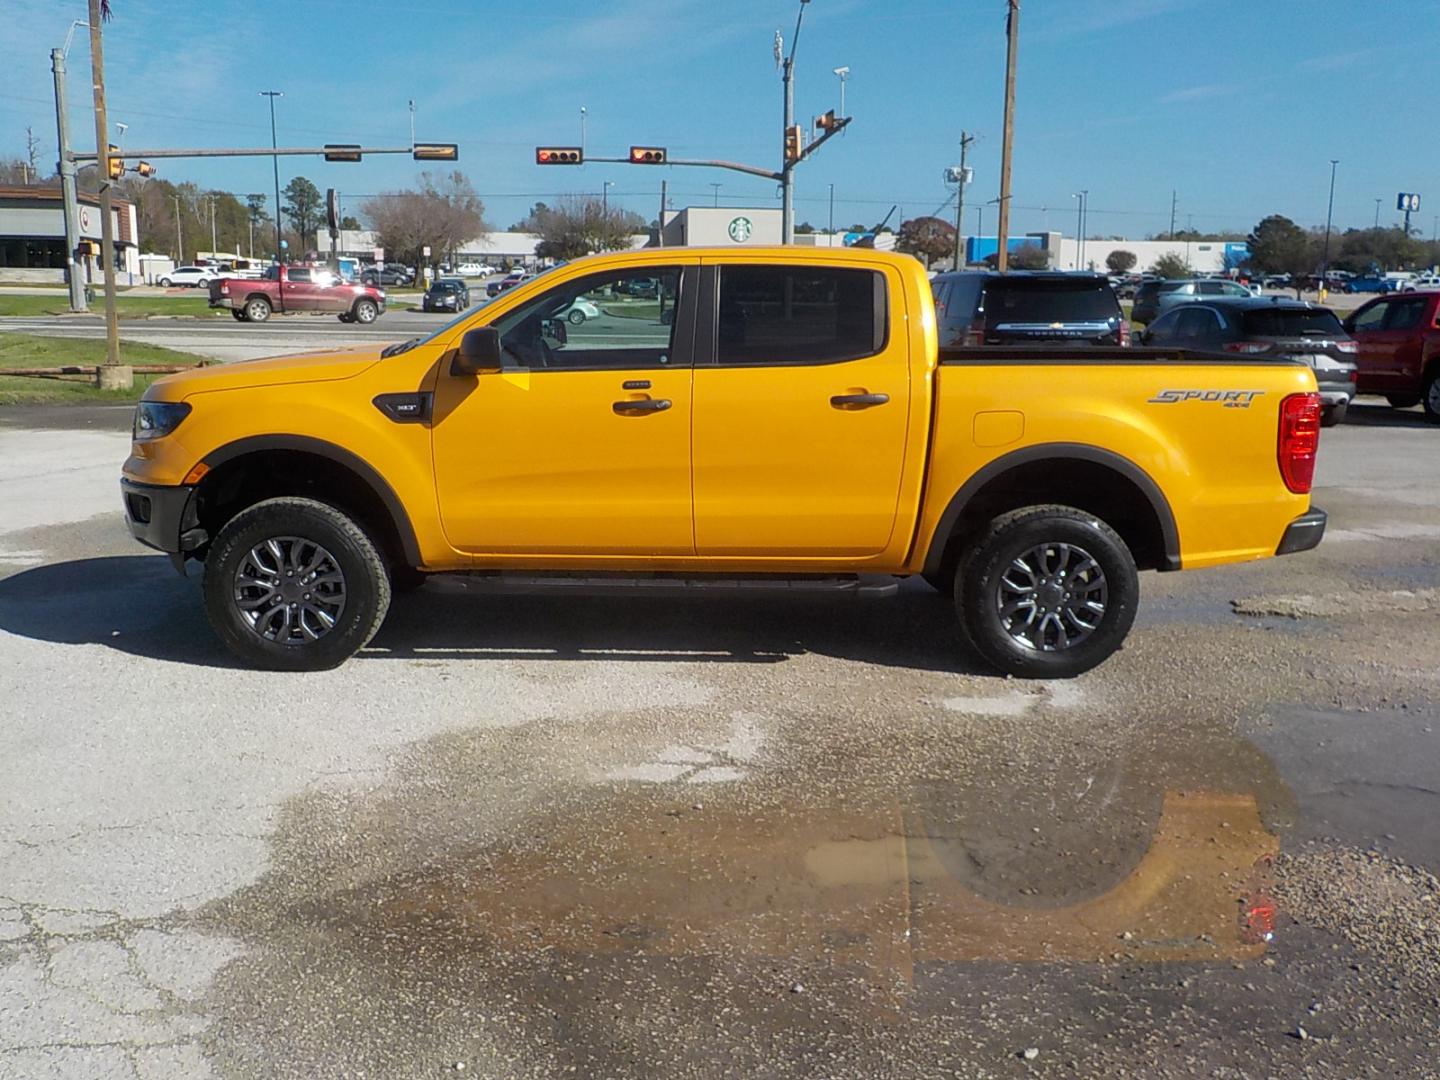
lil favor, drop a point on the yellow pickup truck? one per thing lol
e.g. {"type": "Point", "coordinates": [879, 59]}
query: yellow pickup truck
{"type": "Point", "coordinates": [748, 419]}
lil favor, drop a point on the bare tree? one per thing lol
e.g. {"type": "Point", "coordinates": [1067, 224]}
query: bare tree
{"type": "Point", "coordinates": [583, 226]}
{"type": "Point", "coordinates": [443, 214]}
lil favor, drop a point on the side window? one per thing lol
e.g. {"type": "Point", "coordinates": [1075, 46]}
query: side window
{"type": "Point", "coordinates": [619, 319]}
{"type": "Point", "coordinates": [1231, 289]}
{"type": "Point", "coordinates": [799, 314]}
{"type": "Point", "coordinates": [1194, 325]}
{"type": "Point", "coordinates": [1406, 314]}
{"type": "Point", "coordinates": [1211, 288]}
{"type": "Point", "coordinates": [1162, 330]}
{"type": "Point", "coordinates": [1373, 317]}
{"type": "Point", "coordinates": [299, 275]}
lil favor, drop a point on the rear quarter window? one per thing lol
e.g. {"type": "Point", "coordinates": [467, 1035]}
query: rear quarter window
{"type": "Point", "coordinates": [1290, 323]}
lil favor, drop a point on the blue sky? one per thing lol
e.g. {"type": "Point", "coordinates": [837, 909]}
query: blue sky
{"type": "Point", "coordinates": [1238, 106]}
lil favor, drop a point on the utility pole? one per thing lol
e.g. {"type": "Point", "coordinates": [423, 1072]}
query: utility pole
{"type": "Point", "coordinates": [272, 95]}
{"type": "Point", "coordinates": [660, 232]}
{"type": "Point", "coordinates": [965, 140]}
{"type": "Point", "coordinates": [1084, 221]}
{"type": "Point", "coordinates": [1172, 213]}
{"type": "Point", "coordinates": [832, 215]}
{"type": "Point", "coordinates": [787, 169]}
{"type": "Point", "coordinates": [1329, 211]}
{"type": "Point", "coordinates": [605, 200]}
{"type": "Point", "coordinates": [1012, 37]}
{"type": "Point", "coordinates": [214, 244]}
{"type": "Point", "coordinates": [715, 184]}
{"type": "Point", "coordinates": [1377, 214]}
{"type": "Point", "coordinates": [582, 132]}
{"type": "Point", "coordinates": [120, 378]}
{"type": "Point", "coordinates": [68, 201]}
{"type": "Point", "coordinates": [179, 236]}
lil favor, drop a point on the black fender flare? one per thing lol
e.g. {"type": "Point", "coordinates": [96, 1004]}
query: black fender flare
{"type": "Point", "coordinates": [1169, 534]}
{"type": "Point", "coordinates": [340, 456]}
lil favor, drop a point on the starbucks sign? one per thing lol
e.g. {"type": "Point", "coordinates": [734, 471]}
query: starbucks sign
{"type": "Point", "coordinates": [740, 229]}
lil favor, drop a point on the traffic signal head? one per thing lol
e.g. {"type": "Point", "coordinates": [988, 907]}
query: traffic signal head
{"type": "Point", "coordinates": [792, 143]}
{"type": "Point", "coordinates": [342, 151]}
{"type": "Point", "coordinates": [647, 155]}
{"type": "Point", "coordinates": [448, 151]}
{"type": "Point", "coordinates": [145, 169]}
{"type": "Point", "coordinates": [826, 122]}
{"type": "Point", "coordinates": [117, 166]}
{"type": "Point", "coordinates": [559, 155]}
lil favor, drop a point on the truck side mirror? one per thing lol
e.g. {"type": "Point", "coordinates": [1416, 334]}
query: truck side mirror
{"type": "Point", "coordinates": [479, 352]}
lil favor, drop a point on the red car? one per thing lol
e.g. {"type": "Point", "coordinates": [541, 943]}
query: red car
{"type": "Point", "coordinates": [288, 290]}
{"type": "Point", "coordinates": [1399, 355]}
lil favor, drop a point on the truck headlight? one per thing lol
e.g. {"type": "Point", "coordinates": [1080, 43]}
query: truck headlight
{"type": "Point", "coordinates": [156, 419]}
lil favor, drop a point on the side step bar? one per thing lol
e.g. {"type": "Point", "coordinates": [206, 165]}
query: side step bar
{"type": "Point", "coordinates": [589, 583]}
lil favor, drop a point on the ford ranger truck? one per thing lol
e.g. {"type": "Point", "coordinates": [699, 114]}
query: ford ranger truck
{"type": "Point", "coordinates": [294, 290]}
{"type": "Point", "coordinates": [769, 418]}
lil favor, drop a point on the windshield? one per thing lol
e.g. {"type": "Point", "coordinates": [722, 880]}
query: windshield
{"type": "Point", "coordinates": [1048, 300]}
{"type": "Point", "coordinates": [1291, 322]}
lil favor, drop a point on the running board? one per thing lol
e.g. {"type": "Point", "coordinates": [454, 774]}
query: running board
{"type": "Point", "coordinates": [560, 583]}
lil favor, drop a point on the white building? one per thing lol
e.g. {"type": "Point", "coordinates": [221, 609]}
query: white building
{"type": "Point", "coordinates": [32, 235]}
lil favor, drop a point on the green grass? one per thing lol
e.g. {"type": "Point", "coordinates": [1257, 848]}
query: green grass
{"type": "Point", "coordinates": [129, 307]}
{"type": "Point", "coordinates": [632, 309]}
{"type": "Point", "coordinates": [29, 350]}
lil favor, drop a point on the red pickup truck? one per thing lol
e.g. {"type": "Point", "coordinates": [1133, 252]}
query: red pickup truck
{"type": "Point", "coordinates": [288, 290]}
{"type": "Point", "coordinates": [1399, 349]}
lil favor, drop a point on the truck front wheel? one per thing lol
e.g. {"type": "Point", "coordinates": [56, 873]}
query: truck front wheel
{"type": "Point", "coordinates": [293, 584]}
{"type": "Point", "coordinates": [1048, 592]}
{"type": "Point", "coordinates": [365, 311]}
{"type": "Point", "coordinates": [257, 309]}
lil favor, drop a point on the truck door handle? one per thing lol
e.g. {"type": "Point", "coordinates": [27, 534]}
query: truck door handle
{"type": "Point", "coordinates": [646, 405]}
{"type": "Point", "coordinates": [858, 401]}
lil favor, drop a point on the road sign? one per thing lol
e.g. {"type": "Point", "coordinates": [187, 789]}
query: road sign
{"type": "Point", "coordinates": [1408, 202]}
{"type": "Point", "coordinates": [425, 251]}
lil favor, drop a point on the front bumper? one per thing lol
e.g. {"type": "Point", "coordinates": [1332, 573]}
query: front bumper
{"type": "Point", "coordinates": [163, 517]}
{"type": "Point", "coordinates": [1304, 533]}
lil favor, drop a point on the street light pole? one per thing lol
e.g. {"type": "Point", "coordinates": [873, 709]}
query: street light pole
{"type": "Point", "coordinates": [179, 238]}
{"type": "Point", "coordinates": [1079, 223]}
{"type": "Point", "coordinates": [1012, 37]}
{"type": "Point", "coordinates": [787, 169]}
{"type": "Point", "coordinates": [1377, 214]}
{"type": "Point", "coordinates": [1084, 222]}
{"type": "Point", "coordinates": [68, 200]}
{"type": "Point", "coordinates": [107, 225]}
{"type": "Point", "coordinates": [605, 200]}
{"type": "Point", "coordinates": [272, 95]}
{"type": "Point", "coordinates": [1329, 210]}
{"type": "Point", "coordinates": [582, 132]}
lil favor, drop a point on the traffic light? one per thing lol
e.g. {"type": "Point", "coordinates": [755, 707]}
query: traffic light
{"type": "Point", "coordinates": [86, 248]}
{"type": "Point", "coordinates": [647, 155]}
{"type": "Point", "coordinates": [145, 169]}
{"type": "Point", "coordinates": [342, 151]}
{"type": "Point", "coordinates": [792, 142]}
{"type": "Point", "coordinates": [826, 122]}
{"type": "Point", "coordinates": [117, 165]}
{"type": "Point", "coordinates": [435, 151]}
{"type": "Point", "coordinates": [559, 155]}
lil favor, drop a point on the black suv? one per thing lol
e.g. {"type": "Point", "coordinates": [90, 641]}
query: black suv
{"type": "Point", "coordinates": [1269, 327]}
{"type": "Point", "coordinates": [1028, 308]}
{"type": "Point", "coordinates": [389, 275]}
{"type": "Point", "coordinates": [446, 294]}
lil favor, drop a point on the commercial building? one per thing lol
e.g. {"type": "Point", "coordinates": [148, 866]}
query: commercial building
{"type": "Point", "coordinates": [32, 235]}
{"type": "Point", "coordinates": [1066, 253]}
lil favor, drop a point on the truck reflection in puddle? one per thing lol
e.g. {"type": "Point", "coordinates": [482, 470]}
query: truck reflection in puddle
{"type": "Point", "coordinates": [883, 891]}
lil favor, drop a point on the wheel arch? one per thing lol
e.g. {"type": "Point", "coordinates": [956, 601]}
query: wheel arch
{"type": "Point", "coordinates": [241, 472]}
{"type": "Point", "coordinates": [1073, 474]}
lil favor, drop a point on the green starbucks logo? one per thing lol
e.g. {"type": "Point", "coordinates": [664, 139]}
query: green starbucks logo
{"type": "Point", "coordinates": [740, 229]}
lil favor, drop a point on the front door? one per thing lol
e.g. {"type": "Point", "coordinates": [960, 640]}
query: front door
{"type": "Point", "coordinates": [580, 445]}
{"type": "Point", "coordinates": [801, 411]}
{"type": "Point", "coordinates": [297, 291]}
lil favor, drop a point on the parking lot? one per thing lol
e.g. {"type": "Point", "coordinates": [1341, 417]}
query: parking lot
{"type": "Point", "coordinates": [605, 837]}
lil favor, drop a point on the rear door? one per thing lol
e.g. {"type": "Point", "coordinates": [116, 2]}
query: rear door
{"type": "Point", "coordinates": [297, 292]}
{"type": "Point", "coordinates": [801, 404]}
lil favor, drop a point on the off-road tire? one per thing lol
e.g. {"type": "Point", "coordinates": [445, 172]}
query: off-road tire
{"type": "Point", "coordinates": [1011, 536]}
{"type": "Point", "coordinates": [366, 583]}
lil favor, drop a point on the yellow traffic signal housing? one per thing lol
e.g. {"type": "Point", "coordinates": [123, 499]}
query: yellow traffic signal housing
{"type": "Point", "coordinates": [145, 169]}
{"type": "Point", "coordinates": [435, 152]}
{"type": "Point", "coordinates": [559, 155]}
{"type": "Point", "coordinates": [647, 155]}
{"type": "Point", "coordinates": [342, 151]}
{"type": "Point", "coordinates": [117, 165]}
{"type": "Point", "coordinates": [793, 148]}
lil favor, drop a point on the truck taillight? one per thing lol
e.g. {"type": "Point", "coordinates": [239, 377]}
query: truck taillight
{"type": "Point", "coordinates": [1124, 332]}
{"type": "Point", "coordinates": [1347, 346]}
{"type": "Point", "coordinates": [1299, 439]}
{"type": "Point", "coordinates": [224, 285]}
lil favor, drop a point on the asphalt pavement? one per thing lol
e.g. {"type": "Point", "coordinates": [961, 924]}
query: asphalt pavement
{"type": "Point", "coordinates": [637, 838]}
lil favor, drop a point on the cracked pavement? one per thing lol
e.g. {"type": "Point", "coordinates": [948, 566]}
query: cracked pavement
{"type": "Point", "coordinates": [543, 836]}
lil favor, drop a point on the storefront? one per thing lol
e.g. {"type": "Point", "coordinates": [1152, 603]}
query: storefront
{"type": "Point", "coordinates": [32, 235]}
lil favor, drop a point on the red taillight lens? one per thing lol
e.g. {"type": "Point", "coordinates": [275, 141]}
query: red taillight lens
{"type": "Point", "coordinates": [1124, 332]}
{"type": "Point", "coordinates": [1347, 346]}
{"type": "Point", "coordinates": [976, 334]}
{"type": "Point", "coordinates": [1299, 439]}
{"type": "Point", "coordinates": [1247, 346]}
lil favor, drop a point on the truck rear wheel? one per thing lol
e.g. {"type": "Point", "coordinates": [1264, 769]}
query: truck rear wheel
{"type": "Point", "coordinates": [364, 311]}
{"type": "Point", "coordinates": [239, 314]}
{"type": "Point", "coordinates": [1048, 592]}
{"type": "Point", "coordinates": [257, 309]}
{"type": "Point", "coordinates": [1403, 401]}
{"type": "Point", "coordinates": [294, 584]}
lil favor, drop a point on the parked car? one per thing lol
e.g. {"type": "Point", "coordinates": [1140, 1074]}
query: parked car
{"type": "Point", "coordinates": [1024, 307]}
{"type": "Point", "coordinates": [190, 277]}
{"type": "Point", "coordinates": [1268, 327]}
{"type": "Point", "coordinates": [471, 269]}
{"type": "Point", "coordinates": [580, 310]}
{"type": "Point", "coordinates": [833, 433]}
{"type": "Point", "coordinates": [387, 275]}
{"type": "Point", "coordinates": [289, 290]}
{"type": "Point", "coordinates": [1421, 281]}
{"type": "Point", "coordinates": [1399, 349]}
{"type": "Point", "coordinates": [1154, 298]}
{"type": "Point", "coordinates": [446, 294]}
{"type": "Point", "coordinates": [509, 281]}
{"type": "Point", "coordinates": [1376, 283]}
